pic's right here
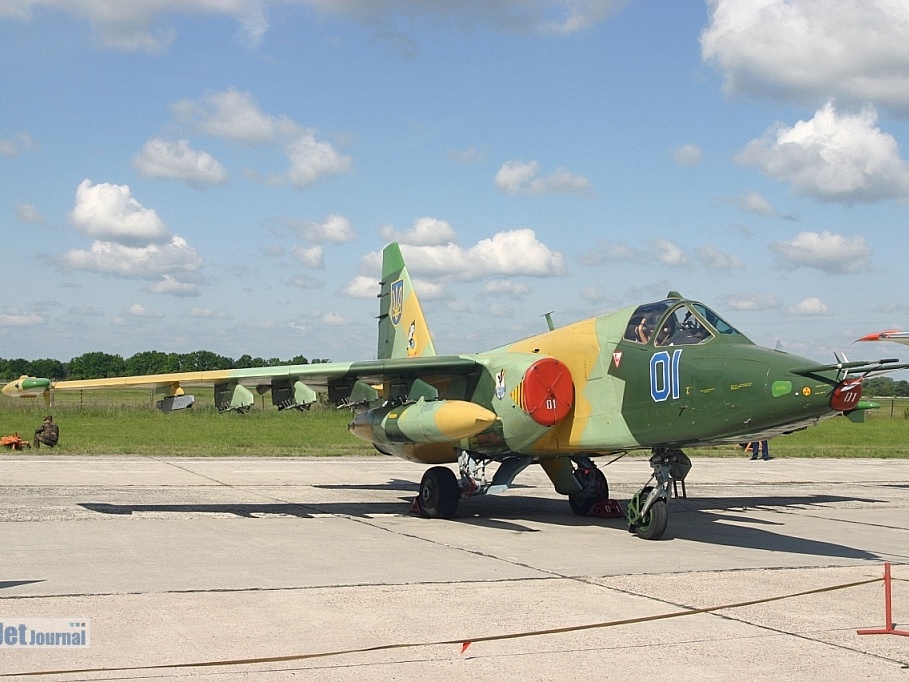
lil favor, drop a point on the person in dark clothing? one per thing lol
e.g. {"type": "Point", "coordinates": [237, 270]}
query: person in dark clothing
{"type": "Point", "coordinates": [47, 434]}
{"type": "Point", "coordinates": [758, 448]}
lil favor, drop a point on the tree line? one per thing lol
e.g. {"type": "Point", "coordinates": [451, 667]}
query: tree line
{"type": "Point", "coordinates": [97, 365]}
{"type": "Point", "coordinates": [885, 387]}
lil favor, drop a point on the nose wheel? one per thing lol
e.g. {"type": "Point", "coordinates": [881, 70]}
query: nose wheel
{"type": "Point", "coordinates": [648, 521]}
{"type": "Point", "coordinates": [648, 510]}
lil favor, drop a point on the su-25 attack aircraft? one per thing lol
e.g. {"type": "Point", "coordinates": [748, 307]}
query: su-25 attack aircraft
{"type": "Point", "coordinates": [660, 377]}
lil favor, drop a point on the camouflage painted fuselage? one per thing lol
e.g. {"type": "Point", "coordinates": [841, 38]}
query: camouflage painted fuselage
{"type": "Point", "coordinates": [616, 394]}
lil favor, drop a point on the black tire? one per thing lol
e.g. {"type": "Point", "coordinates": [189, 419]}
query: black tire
{"type": "Point", "coordinates": [582, 503]}
{"type": "Point", "coordinates": [439, 493]}
{"type": "Point", "coordinates": [653, 525]}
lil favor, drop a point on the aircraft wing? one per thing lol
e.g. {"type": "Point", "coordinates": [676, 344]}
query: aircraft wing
{"type": "Point", "coordinates": [290, 385]}
{"type": "Point", "coordinates": [889, 335]}
{"type": "Point", "coordinates": [318, 374]}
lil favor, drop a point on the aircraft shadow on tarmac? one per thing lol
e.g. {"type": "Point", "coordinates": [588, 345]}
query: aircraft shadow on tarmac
{"type": "Point", "coordinates": [393, 484]}
{"type": "Point", "coordinates": [694, 520]}
{"type": "Point", "coordinates": [253, 510]}
{"type": "Point", "coordinates": [6, 584]}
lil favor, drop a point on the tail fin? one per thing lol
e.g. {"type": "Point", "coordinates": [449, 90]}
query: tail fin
{"type": "Point", "coordinates": [403, 331]}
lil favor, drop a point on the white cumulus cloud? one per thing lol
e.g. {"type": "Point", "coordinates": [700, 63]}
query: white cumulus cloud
{"type": "Point", "coordinates": [361, 286]}
{"type": "Point", "coordinates": [311, 159]}
{"type": "Point", "coordinates": [808, 51]}
{"type": "Point", "coordinates": [142, 262]}
{"type": "Point", "coordinates": [752, 302]}
{"type": "Point", "coordinates": [833, 157]}
{"type": "Point", "coordinates": [497, 288]}
{"type": "Point", "coordinates": [163, 159]}
{"type": "Point", "coordinates": [809, 307]}
{"type": "Point", "coordinates": [334, 228]}
{"type": "Point", "coordinates": [669, 253]}
{"type": "Point", "coordinates": [139, 310]}
{"type": "Point", "coordinates": [714, 259]}
{"type": "Point", "coordinates": [510, 253]}
{"type": "Point", "coordinates": [753, 202]}
{"type": "Point", "coordinates": [17, 319]}
{"type": "Point", "coordinates": [424, 232]}
{"type": "Point", "coordinates": [519, 177]}
{"type": "Point", "coordinates": [235, 116]}
{"type": "Point", "coordinates": [831, 253]}
{"type": "Point", "coordinates": [168, 284]}
{"type": "Point", "coordinates": [109, 212]}
{"type": "Point", "coordinates": [310, 256]}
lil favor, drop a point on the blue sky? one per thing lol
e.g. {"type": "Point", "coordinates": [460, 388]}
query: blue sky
{"type": "Point", "coordinates": [178, 175]}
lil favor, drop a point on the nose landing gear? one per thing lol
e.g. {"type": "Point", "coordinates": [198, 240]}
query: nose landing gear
{"type": "Point", "coordinates": [648, 510]}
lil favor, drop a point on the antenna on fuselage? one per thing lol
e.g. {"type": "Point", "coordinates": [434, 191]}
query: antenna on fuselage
{"type": "Point", "coordinates": [548, 317]}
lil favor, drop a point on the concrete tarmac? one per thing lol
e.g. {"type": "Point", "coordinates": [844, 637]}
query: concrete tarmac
{"type": "Point", "coordinates": [316, 566]}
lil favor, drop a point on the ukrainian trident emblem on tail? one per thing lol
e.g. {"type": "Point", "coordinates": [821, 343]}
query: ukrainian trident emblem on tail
{"type": "Point", "coordinates": [397, 301]}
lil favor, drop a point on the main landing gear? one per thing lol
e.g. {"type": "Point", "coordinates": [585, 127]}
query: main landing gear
{"type": "Point", "coordinates": [440, 490]}
{"type": "Point", "coordinates": [595, 487]}
{"type": "Point", "coordinates": [648, 510]}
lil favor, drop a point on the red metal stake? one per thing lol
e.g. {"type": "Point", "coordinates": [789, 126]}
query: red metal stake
{"type": "Point", "coordinates": [888, 628]}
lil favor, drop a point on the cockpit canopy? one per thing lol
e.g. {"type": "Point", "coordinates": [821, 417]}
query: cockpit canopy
{"type": "Point", "coordinates": [674, 322]}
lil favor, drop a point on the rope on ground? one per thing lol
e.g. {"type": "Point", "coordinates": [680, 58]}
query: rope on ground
{"type": "Point", "coordinates": [463, 642]}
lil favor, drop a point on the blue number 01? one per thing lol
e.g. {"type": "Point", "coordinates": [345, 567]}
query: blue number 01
{"type": "Point", "coordinates": [664, 375]}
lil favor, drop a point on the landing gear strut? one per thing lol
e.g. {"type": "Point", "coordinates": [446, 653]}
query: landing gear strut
{"type": "Point", "coordinates": [596, 488]}
{"type": "Point", "coordinates": [648, 510]}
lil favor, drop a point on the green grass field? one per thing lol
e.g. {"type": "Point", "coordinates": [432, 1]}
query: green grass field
{"type": "Point", "coordinates": [125, 422]}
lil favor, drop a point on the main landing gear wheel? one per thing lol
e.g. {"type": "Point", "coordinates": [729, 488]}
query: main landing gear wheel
{"type": "Point", "coordinates": [596, 488]}
{"type": "Point", "coordinates": [652, 524]}
{"type": "Point", "coordinates": [439, 493]}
